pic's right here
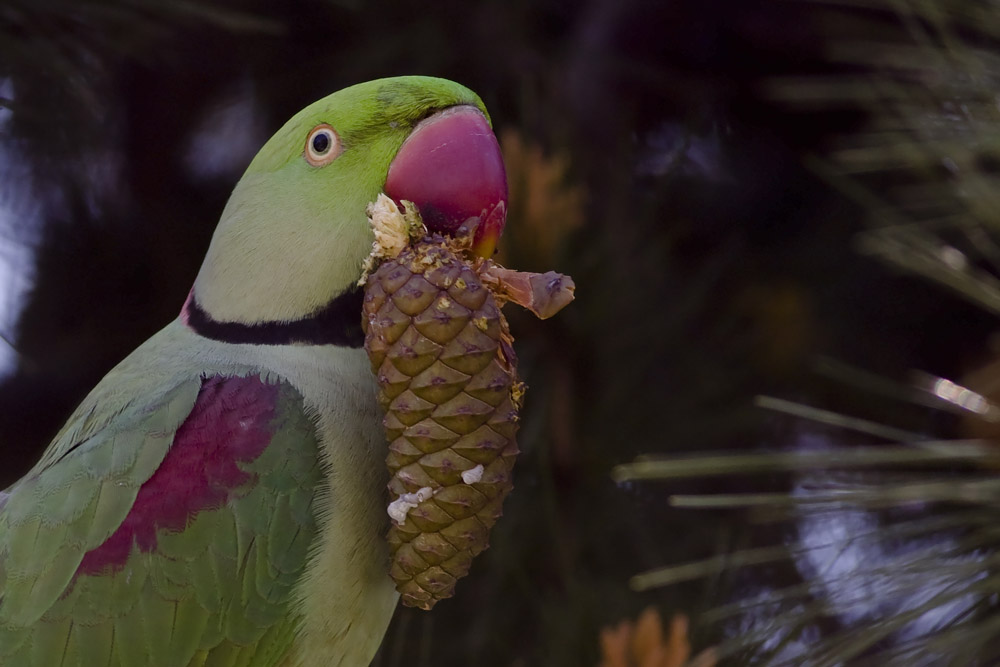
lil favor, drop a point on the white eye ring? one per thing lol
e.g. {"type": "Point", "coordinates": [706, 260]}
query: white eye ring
{"type": "Point", "coordinates": [322, 146]}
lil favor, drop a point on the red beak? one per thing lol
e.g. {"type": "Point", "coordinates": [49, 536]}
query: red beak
{"type": "Point", "coordinates": [451, 168]}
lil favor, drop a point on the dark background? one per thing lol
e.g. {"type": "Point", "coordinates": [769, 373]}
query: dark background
{"type": "Point", "coordinates": [647, 158]}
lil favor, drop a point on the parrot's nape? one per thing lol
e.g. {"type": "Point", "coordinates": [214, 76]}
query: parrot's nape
{"type": "Point", "coordinates": [219, 498]}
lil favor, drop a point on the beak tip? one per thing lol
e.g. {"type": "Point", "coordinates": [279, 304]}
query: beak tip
{"type": "Point", "coordinates": [451, 167]}
{"type": "Point", "coordinates": [488, 234]}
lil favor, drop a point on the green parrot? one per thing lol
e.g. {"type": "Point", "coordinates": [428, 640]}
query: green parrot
{"type": "Point", "coordinates": [219, 497]}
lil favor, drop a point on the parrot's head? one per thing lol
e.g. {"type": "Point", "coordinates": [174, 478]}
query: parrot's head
{"type": "Point", "coordinates": [291, 242]}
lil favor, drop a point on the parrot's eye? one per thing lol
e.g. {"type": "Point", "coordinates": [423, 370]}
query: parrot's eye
{"type": "Point", "coordinates": [322, 146]}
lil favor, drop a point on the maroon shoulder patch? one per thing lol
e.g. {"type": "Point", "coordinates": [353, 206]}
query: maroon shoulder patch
{"type": "Point", "coordinates": [229, 424]}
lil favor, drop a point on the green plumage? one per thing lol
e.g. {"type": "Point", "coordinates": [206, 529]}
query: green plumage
{"type": "Point", "coordinates": [206, 595]}
{"type": "Point", "coordinates": [67, 506]}
{"type": "Point", "coordinates": [288, 566]}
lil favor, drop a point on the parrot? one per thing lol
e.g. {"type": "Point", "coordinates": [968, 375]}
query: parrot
{"type": "Point", "coordinates": [219, 498]}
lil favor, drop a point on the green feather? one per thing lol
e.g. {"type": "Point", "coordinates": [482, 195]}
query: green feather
{"type": "Point", "coordinates": [188, 627]}
{"type": "Point", "coordinates": [49, 642]}
{"type": "Point", "coordinates": [210, 586]}
{"type": "Point", "coordinates": [92, 645]}
{"type": "Point", "coordinates": [129, 641]}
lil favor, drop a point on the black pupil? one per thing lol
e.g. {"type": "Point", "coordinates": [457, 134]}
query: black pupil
{"type": "Point", "coordinates": [321, 142]}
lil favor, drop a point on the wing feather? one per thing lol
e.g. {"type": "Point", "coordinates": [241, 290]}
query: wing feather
{"type": "Point", "coordinates": [171, 535]}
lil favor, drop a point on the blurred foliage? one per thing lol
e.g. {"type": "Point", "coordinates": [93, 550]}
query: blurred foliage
{"type": "Point", "coordinates": [706, 170]}
{"type": "Point", "coordinates": [642, 644]}
{"type": "Point", "coordinates": [892, 545]}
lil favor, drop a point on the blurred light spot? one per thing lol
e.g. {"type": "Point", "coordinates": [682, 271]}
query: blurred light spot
{"type": "Point", "coordinates": [836, 550]}
{"type": "Point", "coordinates": [674, 148]}
{"type": "Point", "coordinates": [6, 95]}
{"type": "Point", "coordinates": [960, 396]}
{"type": "Point", "coordinates": [954, 258]}
{"type": "Point", "coordinates": [20, 213]}
{"type": "Point", "coordinates": [865, 576]}
{"type": "Point", "coordinates": [763, 609]}
{"type": "Point", "coordinates": [228, 136]}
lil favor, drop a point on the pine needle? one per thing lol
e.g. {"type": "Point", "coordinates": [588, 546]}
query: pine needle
{"type": "Point", "coordinates": [931, 453]}
{"type": "Point", "coordinates": [835, 419]}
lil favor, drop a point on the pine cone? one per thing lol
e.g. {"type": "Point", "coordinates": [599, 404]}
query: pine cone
{"type": "Point", "coordinates": [441, 352]}
{"type": "Point", "coordinates": [435, 335]}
